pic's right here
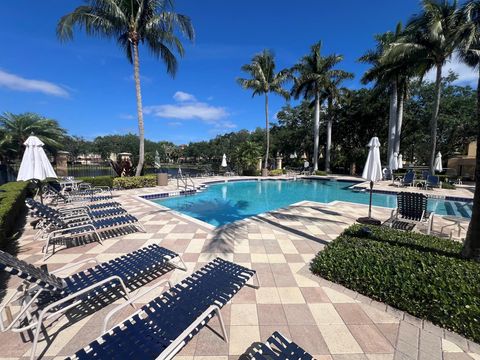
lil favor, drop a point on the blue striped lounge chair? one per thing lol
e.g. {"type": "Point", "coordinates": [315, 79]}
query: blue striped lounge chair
{"type": "Point", "coordinates": [162, 327]}
{"type": "Point", "coordinates": [44, 296]}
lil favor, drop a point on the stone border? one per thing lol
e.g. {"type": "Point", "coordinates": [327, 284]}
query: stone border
{"type": "Point", "coordinates": [463, 343]}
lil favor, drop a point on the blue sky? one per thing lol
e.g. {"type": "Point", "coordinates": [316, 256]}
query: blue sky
{"type": "Point", "coordinates": [87, 85]}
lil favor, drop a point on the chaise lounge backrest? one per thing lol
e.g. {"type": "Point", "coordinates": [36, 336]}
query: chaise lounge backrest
{"type": "Point", "coordinates": [31, 273]}
{"type": "Point", "coordinates": [412, 206]}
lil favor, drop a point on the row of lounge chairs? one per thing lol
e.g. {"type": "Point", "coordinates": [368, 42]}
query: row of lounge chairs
{"type": "Point", "coordinates": [159, 329]}
{"type": "Point", "coordinates": [90, 222]}
{"type": "Point", "coordinates": [428, 181]}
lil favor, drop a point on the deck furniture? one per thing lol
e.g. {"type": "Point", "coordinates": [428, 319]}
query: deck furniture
{"type": "Point", "coordinates": [432, 181]}
{"type": "Point", "coordinates": [161, 328]}
{"type": "Point", "coordinates": [278, 347]}
{"type": "Point", "coordinates": [407, 180]}
{"type": "Point", "coordinates": [44, 295]}
{"type": "Point", "coordinates": [411, 210]}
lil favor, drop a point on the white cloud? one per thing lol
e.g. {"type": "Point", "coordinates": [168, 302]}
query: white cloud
{"type": "Point", "coordinates": [174, 123]}
{"type": "Point", "coordinates": [18, 83]}
{"type": "Point", "coordinates": [183, 96]}
{"type": "Point", "coordinates": [466, 75]}
{"type": "Point", "coordinates": [190, 111]}
{"type": "Point", "coordinates": [126, 116]}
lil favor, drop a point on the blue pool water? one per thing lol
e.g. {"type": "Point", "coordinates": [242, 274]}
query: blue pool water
{"type": "Point", "coordinates": [227, 202]}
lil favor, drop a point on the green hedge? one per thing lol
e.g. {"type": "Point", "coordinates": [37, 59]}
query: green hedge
{"type": "Point", "coordinates": [275, 172]}
{"type": "Point", "coordinates": [320, 173]}
{"type": "Point", "coordinates": [134, 182]}
{"type": "Point", "coordinates": [99, 180]}
{"type": "Point", "coordinates": [422, 275]}
{"type": "Point", "coordinates": [12, 203]}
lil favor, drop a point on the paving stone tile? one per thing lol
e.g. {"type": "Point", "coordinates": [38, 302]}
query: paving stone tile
{"type": "Point", "coordinates": [309, 338]}
{"type": "Point", "coordinates": [339, 339]}
{"type": "Point", "coordinates": [370, 339]}
{"type": "Point", "coordinates": [241, 337]}
{"type": "Point", "coordinates": [271, 314]}
{"type": "Point", "coordinates": [325, 314]}
{"type": "Point", "coordinates": [290, 295]}
{"type": "Point", "coordinates": [298, 314]}
{"type": "Point", "coordinates": [243, 314]}
{"type": "Point", "coordinates": [352, 314]}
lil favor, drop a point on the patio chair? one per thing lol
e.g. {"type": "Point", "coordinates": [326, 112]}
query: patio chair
{"type": "Point", "coordinates": [407, 180]}
{"type": "Point", "coordinates": [44, 296]}
{"type": "Point", "coordinates": [77, 211]}
{"type": "Point", "coordinates": [411, 210]}
{"type": "Point", "coordinates": [432, 181]}
{"type": "Point", "coordinates": [425, 174]}
{"type": "Point", "coordinates": [161, 328]}
{"type": "Point", "coordinates": [279, 347]}
{"type": "Point", "coordinates": [54, 191]}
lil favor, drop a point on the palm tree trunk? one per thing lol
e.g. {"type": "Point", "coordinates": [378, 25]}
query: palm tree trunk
{"type": "Point", "coordinates": [316, 131]}
{"type": "Point", "coordinates": [267, 133]}
{"type": "Point", "coordinates": [329, 134]}
{"type": "Point", "coordinates": [141, 129]}
{"type": "Point", "coordinates": [398, 128]}
{"type": "Point", "coordinates": [471, 248]}
{"type": "Point", "coordinates": [392, 121]}
{"type": "Point", "coordinates": [434, 119]}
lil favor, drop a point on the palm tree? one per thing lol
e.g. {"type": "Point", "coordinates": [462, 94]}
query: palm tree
{"type": "Point", "coordinates": [131, 23]}
{"type": "Point", "coordinates": [314, 73]}
{"type": "Point", "coordinates": [332, 92]}
{"type": "Point", "coordinates": [16, 128]}
{"type": "Point", "coordinates": [392, 76]}
{"type": "Point", "coordinates": [263, 80]}
{"type": "Point", "coordinates": [428, 41]}
{"type": "Point", "coordinates": [470, 54]}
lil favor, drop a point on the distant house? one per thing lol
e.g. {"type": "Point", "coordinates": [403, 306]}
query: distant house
{"type": "Point", "coordinates": [463, 165]}
{"type": "Point", "coordinates": [88, 159]}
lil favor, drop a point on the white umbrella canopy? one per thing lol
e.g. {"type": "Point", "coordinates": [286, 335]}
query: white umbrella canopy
{"type": "Point", "coordinates": [394, 162]}
{"type": "Point", "coordinates": [438, 162]}
{"type": "Point", "coordinates": [373, 167]}
{"type": "Point", "coordinates": [400, 161]}
{"type": "Point", "coordinates": [224, 161]}
{"type": "Point", "coordinates": [373, 173]}
{"type": "Point", "coordinates": [35, 164]}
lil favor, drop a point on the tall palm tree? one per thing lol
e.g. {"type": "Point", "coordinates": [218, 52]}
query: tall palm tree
{"type": "Point", "coordinates": [314, 73]}
{"type": "Point", "coordinates": [131, 23]}
{"type": "Point", "coordinates": [263, 81]}
{"type": "Point", "coordinates": [428, 41]}
{"type": "Point", "coordinates": [391, 76]}
{"type": "Point", "coordinates": [470, 54]}
{"type": "Point", "coordinates": [332, 92]}
{"type": "Point", "coordinates": [16, 128]}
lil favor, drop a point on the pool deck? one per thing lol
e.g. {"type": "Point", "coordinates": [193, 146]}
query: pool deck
{"type": "Point", "coordinates": [329, 321]}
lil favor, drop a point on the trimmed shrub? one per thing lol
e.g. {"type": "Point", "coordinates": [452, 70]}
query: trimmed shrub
{"type": "Point", "coordinates": [99, 180]}
{"type": "Point", "coordinates": [422, 275]}
{"type": "Point", "coordinates": [447, 185]}
{"type": "Point", "coordinates": [320, 173]}
{"type": "Point", "coordinates": [12, 203]}
{"type": "Point", "coordinates": [135, 182]}
{"type": "Point", "coordinates": [276, 172]}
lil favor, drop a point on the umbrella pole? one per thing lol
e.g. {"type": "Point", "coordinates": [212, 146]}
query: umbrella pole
{"type": "Point", "coordinates": [370, 203]}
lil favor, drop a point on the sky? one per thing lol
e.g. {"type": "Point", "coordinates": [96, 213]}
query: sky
{"type": "Point", "coordinates": [87, 84]}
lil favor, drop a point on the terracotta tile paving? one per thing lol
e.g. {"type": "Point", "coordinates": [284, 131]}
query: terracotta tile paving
{"type": "Point", "coordinates": [325, 320]}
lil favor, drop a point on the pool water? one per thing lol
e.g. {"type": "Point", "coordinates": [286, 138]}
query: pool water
{"type": "Point", "coordinates": [224, 203]}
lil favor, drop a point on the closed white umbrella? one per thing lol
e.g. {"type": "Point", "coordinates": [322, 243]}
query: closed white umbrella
{"type": "Point", "coordinates": [35, 164]}
{"type": "Point", "coordinates": [438, 162]}
{"type": "Point", "coordinates": [158, 164]}
{"type": "Point", "coordinates": [224, 161]}
{"type": "Point", "coordinates": [400, 161]}
{"type": "Point", "coordinates": [373, 173]}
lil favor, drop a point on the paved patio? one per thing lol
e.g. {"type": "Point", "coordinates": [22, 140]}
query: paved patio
{"type": "Point", "coordinates": [327, 320]}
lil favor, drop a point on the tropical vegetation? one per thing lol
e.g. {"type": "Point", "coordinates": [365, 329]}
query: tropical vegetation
{"type": "Point", "coordinates": [153, 23]}
{"type": "Point", "coordinates": [420, 274]}
{"type": "Point", "coordinates": [264, 80]}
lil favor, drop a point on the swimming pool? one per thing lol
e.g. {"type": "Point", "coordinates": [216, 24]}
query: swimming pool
{"type": "Point", "coordinates": [224, 203]}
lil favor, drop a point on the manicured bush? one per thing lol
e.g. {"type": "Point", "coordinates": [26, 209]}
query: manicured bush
{"type": "Point", "coordinates": [99, 180]}
{"type": "Point", "coordinates": [134, 182]}
{"type": "Point", "coordinates": [251, 172]}
{"type": "Point", "coordinates": [447, 185]}
{"type": "Point", "coordinates": [419, 274]}
{"type": "Point", "coordinates": [275, 172]}
{"type": "Point", "coordinates": [12, 203]}
{"type": "Point", "coordinates": [320, 173]}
